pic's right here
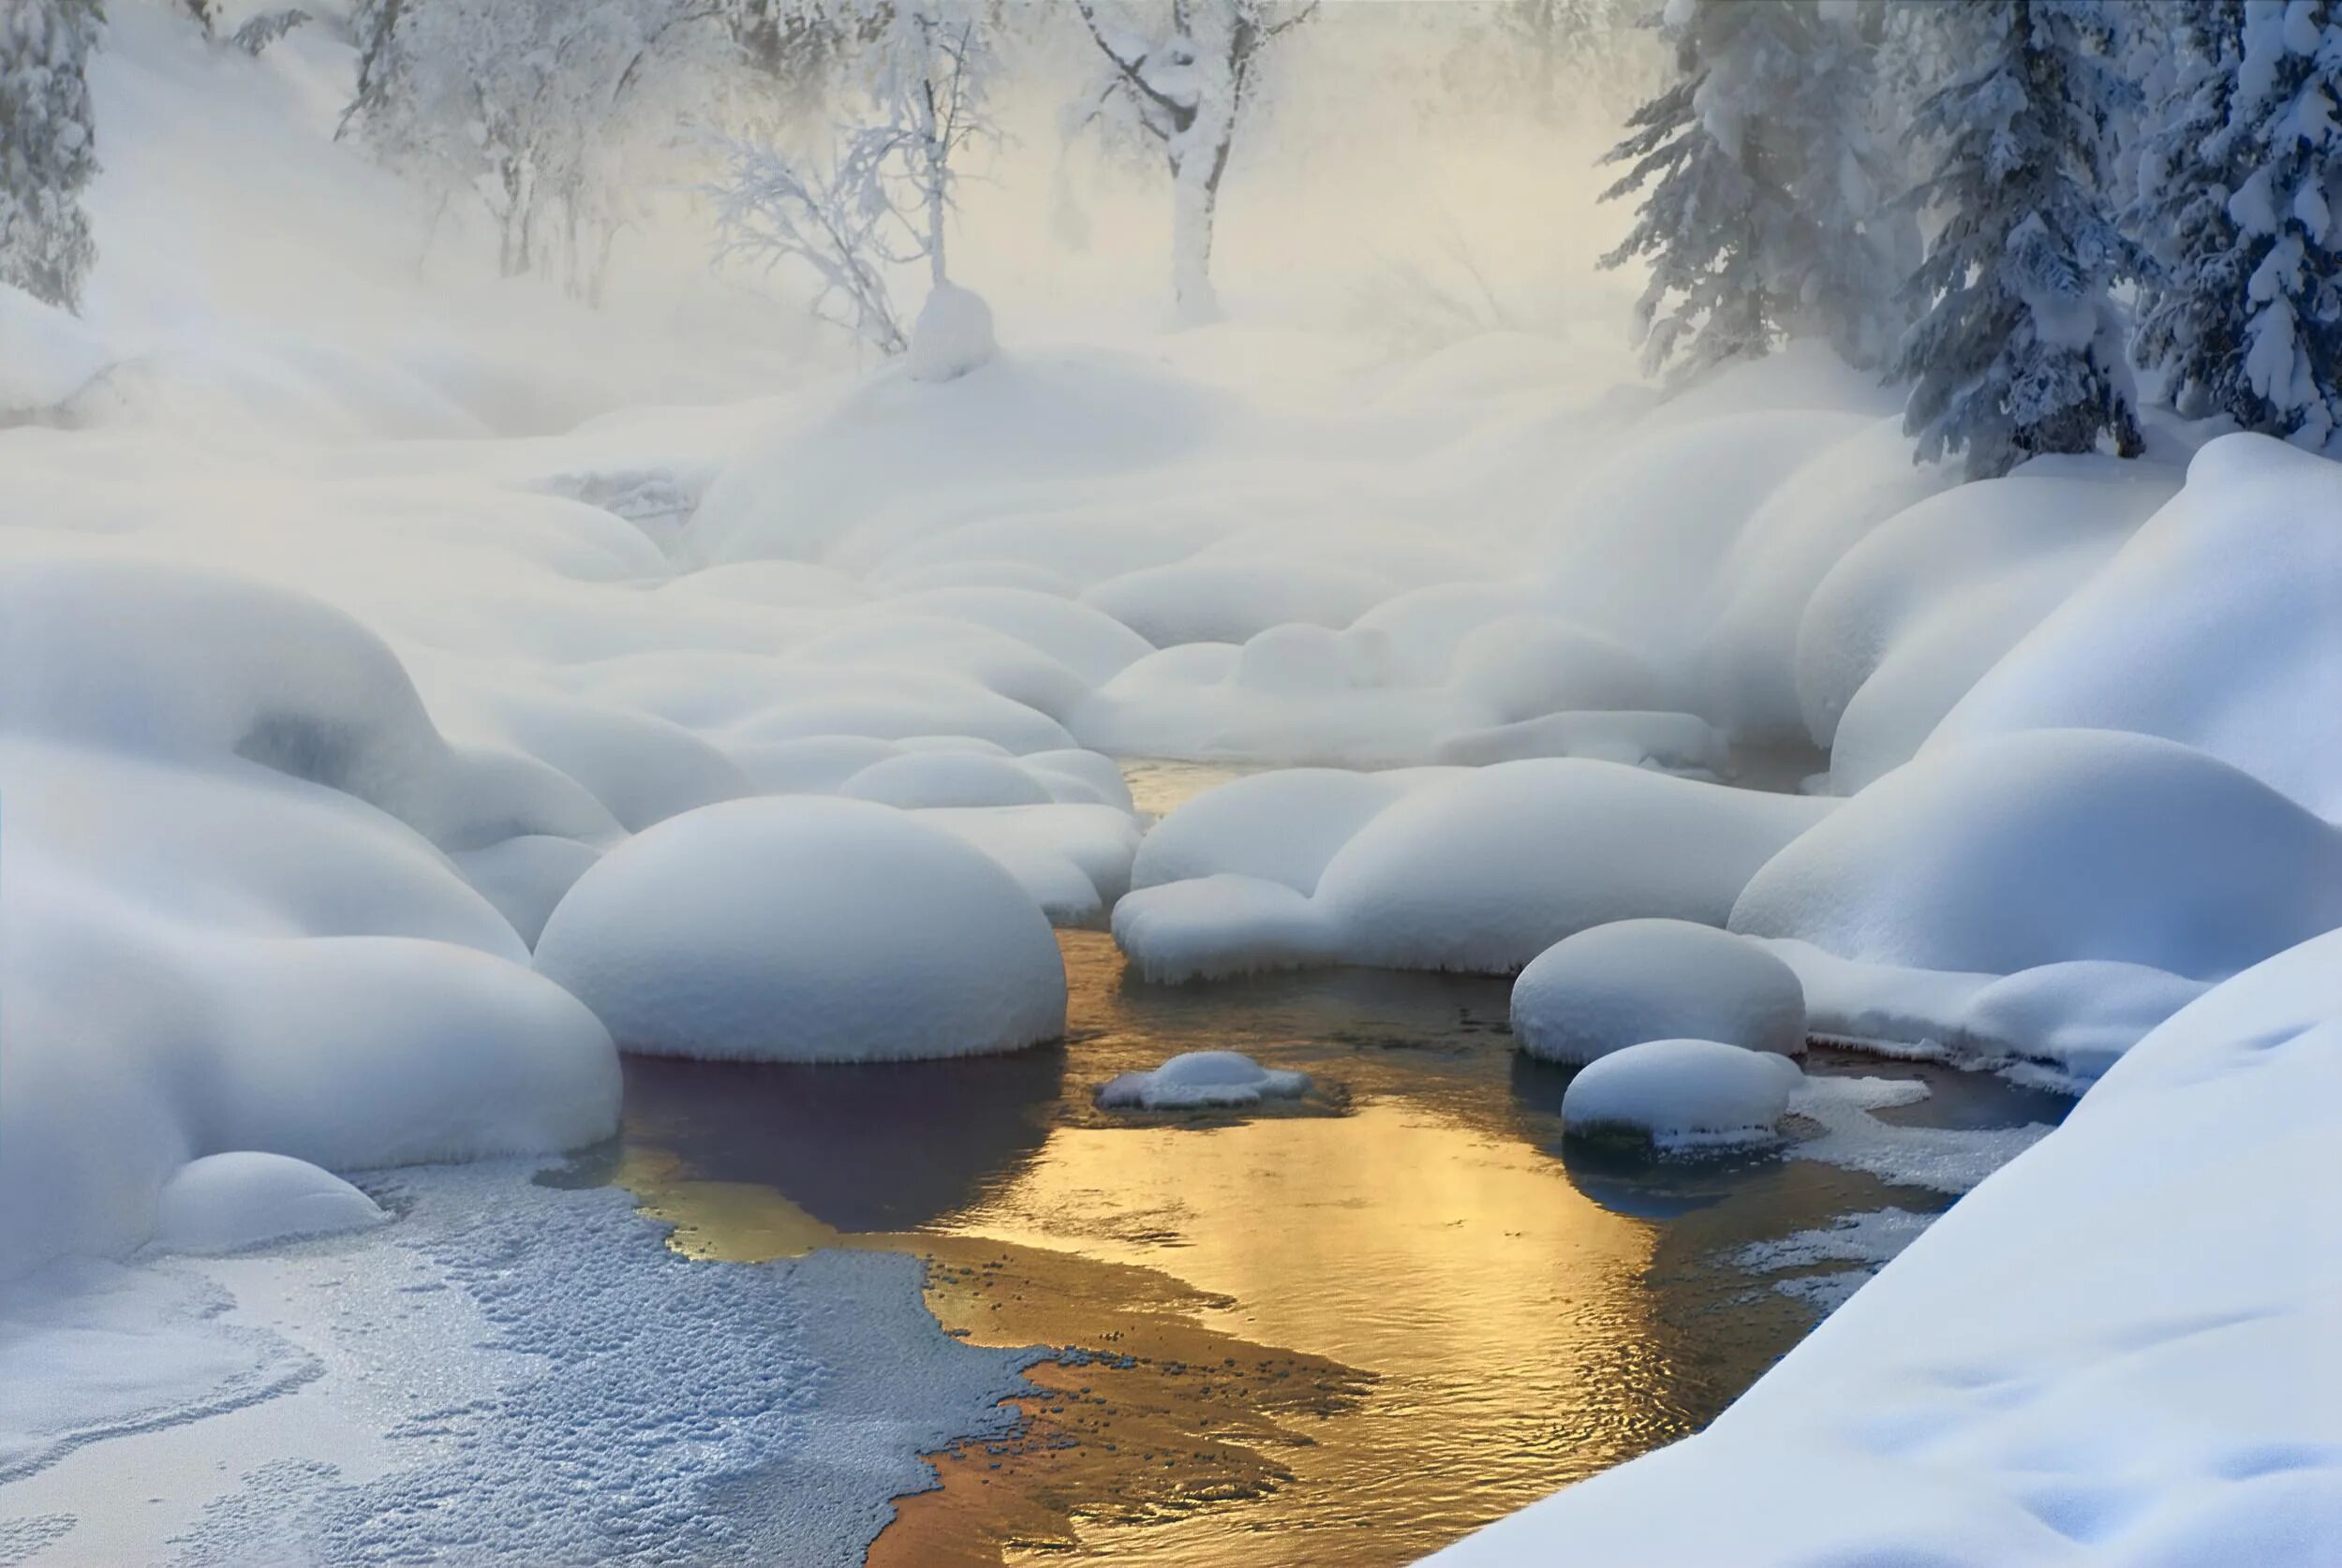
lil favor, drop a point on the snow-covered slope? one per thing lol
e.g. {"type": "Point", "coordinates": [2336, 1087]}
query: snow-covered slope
{"type": "Point", "coordinates": [2117, 1350]}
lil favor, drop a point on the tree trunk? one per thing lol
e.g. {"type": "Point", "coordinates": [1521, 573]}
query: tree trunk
{"type": "Point", "coordinates": [1194, 206]}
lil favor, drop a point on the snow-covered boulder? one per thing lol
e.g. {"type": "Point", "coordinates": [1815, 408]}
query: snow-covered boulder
{"type": "Point", "coordinates": [1202, 1078]}
{"type": "Point", "coordinates": [224, 1202]}
{"type": "Point", "coordinates": [1477, 871]}
{"type": "Point", "coordinates": [1484, 870]}
{"type": "Point", "coordinates": [1234, 600]}
{"type": "Point", "coordinates": [1681, 1094]}
{"type": "Point", "coordinates": [806, 929]}
{"type": "Point", "coordinates": [2052, 845]}
{"type": "Point", "coordinates": [1527, 666]}
{"type": "Point", "coordinates": [935, 779]}
{"type": "Point", "coordinates": [1282, 826]}
{"type": "Point", "coordinates": [2240, 577]}
{"type": "Point", "coordinates": [953, 334]}
{"type": "Point", "coordinates": [1210, 928]}
{"type": "Point", "coordinates": [1611, 986]}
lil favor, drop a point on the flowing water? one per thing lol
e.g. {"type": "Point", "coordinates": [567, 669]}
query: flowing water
{"type": "Point", "coordinates": [1349, 1328]}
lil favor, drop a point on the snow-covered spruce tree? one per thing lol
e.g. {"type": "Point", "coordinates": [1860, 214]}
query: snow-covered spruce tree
{"type": "Point", "coordinates": [1764, 212]}
{"type": "Point", "coordinates": [48, 147]}
{"type": "Point", "coordinates": [1187, 91]}
{"type": "Point", "coordinates": [2192, 303]}
{"type": "Point", "coordinates": [2020, 350]}
{"type": "Point", "coordinates": [2248, 319]}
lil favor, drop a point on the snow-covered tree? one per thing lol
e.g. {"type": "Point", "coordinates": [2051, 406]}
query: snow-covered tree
{"type": "Point", "coordinates": [48, 147]}
{"type": "Point", "coordinates": [880, 197]}
{"type": "Point", "coordinates": [830, 216]}
{"type": "Point", "coordinates": [2020, 350]}
{"type": "Point", "coordinates": [2191, 303]}
{"type": "Point", "coordinates": [2246, 318]}
{"type": "Point", "coordinates": [1187, 90]}
{"type": "Point", "coordinates": [532, 104]}
{"type": "Point", "coordinates": [929, 74]}
{"type": "Point", "coordinates": [1764, 212]}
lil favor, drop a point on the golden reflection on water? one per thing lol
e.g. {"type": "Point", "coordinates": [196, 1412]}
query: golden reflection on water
{"type": "Point", "coordinates": [1348, 1331]}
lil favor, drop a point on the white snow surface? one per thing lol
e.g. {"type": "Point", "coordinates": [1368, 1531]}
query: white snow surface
{"type": "Point", "coordinates": [2214, 626]}
{"type": "Point", "coordinates": [1683, 1095]}
{"type": "Point", "coordinates": [1197, 1079]}
{"type": "Point", "coordinates": [1611, 986]}
{"type": "Point", "coordinates": [2115, 1350]}
{"type": "Point", "coordinates": [2047, 846]}
{"type": "Point", "coordinates": [806, 929]}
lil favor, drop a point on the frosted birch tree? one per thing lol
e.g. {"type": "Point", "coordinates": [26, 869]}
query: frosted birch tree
{"type": "Point", "coordinates": [1186, 89]}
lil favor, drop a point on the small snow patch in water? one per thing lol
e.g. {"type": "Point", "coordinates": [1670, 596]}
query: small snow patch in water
{"type": "Point", "coordinates": [1202, 1078]}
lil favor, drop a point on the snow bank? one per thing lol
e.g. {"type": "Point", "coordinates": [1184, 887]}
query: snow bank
{"type": "Point", "coordinates": [1611, 986]}
{"type": "Point", "coordinates": [224, 1202]}
{"type": "Point", "coordinates": [1476, 870]}
{"type": "Point", "coordinates": [2050, 846]}
{"type": "Point", "coordinates": [806, 929]}
{"type": "Point", "coordinates": [1201, 1078]}
{"type": "Point", "coordinates": [2115, 1348]}
{"type": "Point", "coordinates": [2238, 577]}
{"type": "Point", "coordinates": [1916, 612]}
{"type": "Point", "coordinates": [1680, 1095]}
{"type": "Point", "coordinates": [46, 355]}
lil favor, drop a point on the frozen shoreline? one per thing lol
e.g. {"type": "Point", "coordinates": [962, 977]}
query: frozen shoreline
{"type": "Point", "coordinates": [510, 1372]}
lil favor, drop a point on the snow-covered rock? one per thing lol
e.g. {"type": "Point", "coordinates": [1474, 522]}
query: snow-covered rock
{"type": "Point", "coordinates": [953, 334]}
{"type": "Point", "coordinates": [945, 779]}
{"type": "Point", "coordinates": [1201, 1078]}
{"type": "Point", "coordinates": [1471, 869]}
{"type": "Point", "coordinates": [1682, 1095]}
{"type": "Point", "coordinates": [806, 929]}
{"type": "Point", "coordinates": [1611, 986]}
{"type": "Point", "coordinates": [1486, 870]}
{"type": "Point", "coordinates": [224, 1202]}
{"type": "Point", "coordinates": [2046, 846]}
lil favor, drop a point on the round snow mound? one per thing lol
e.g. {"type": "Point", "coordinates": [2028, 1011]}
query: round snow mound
{"type": "Point", "coordinates": [1202, 1078]}
{"type": "Point", "coordinates": [806, 929]}
{"type": "Point", "coordinates": [953, 334]}
{"type": "Point", "coordinates": [1681, 1094]}
{"type": "Point", "coordinates": [1611, 986]}
{"type": "Point", "coordinates": [224, 1202]}
{"type": "Point", "coordinates": [932, 779]}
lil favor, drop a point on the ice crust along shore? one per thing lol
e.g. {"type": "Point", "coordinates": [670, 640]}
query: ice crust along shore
{"type": "Point", "coordinates": [333, 705]}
